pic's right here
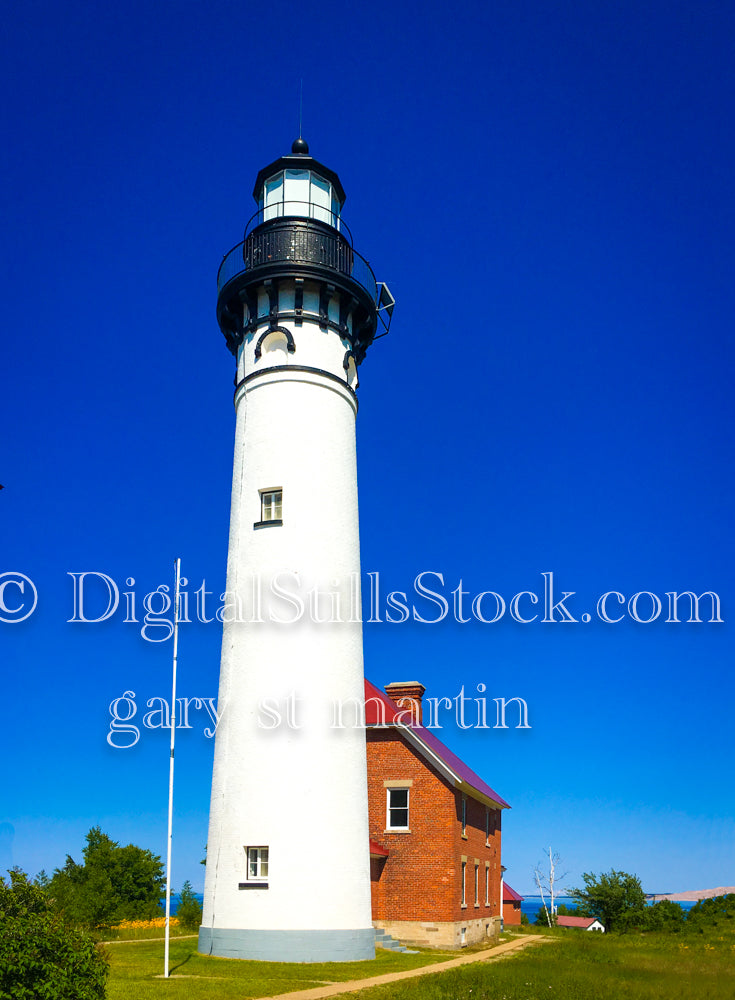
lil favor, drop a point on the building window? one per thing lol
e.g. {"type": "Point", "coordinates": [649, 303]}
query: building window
{"type": "Point", "coordinates": [477, 884]}
{"type": "Point", "coordinates": [487, 885]}
{"type": "Point", "coordinates": [464, 816]}
{"type": "Point", "coordinates": [271, 507]}
{"type": "Point", "coordinates": [397, 810]}
{"type": "Point", "coordinates": [464, 883]}
{"type": "Point", "coordinates": [487, 825]}
{"type": "Point", "coordinates": [257, 864]}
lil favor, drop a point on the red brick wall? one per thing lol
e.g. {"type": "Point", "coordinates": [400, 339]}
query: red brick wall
{"type": "Point", "coordinates": [421, 878]}
{"type": "Point", "coordinates": [512, 912]}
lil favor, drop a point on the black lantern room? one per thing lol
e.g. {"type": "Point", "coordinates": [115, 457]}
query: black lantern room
{"type": "Point", "coordinates": [298, 233]}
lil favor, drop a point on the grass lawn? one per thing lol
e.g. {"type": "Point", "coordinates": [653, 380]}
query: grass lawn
{"type": "Point", "coordinates": [576, 966]}
{"type": "Point", "coordinates": [134, 967]}
{"type": "Point", "coordinates": [586, 966]}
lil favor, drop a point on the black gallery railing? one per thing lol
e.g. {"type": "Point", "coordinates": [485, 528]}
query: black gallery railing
{"type": "Point", "coordinates": [300, 240]}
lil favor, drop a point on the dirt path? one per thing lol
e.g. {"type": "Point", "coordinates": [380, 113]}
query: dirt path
{"type": "Point", "coordinates": [176, 937]}
{"type": "Point", "coordinates": [333, 990]}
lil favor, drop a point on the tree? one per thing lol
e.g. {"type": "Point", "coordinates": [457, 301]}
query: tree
{"type": "Point", "coordinates": [544, 918]}
{"type": "Point", "coordinates": [114, 883]}
{"type": "Point", "coordinates": [189, 910]}
{"type": "Point", "coordinates": [709, 912]}
{"type": "Point", "coordinates": [666, 915]}
{"type": "Point", "coordinates": [615, 898]}
{"type": "Point", "coordinates": [548, 884]}
{"type": "Point", "coordinates": [40, 956]}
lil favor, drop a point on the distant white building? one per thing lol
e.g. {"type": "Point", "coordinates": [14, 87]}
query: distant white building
{"type": "Point", "coordinates": [583, 923]}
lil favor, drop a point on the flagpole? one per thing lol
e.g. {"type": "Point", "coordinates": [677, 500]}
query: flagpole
{"type": "Point", "coordinates": [171, 769]}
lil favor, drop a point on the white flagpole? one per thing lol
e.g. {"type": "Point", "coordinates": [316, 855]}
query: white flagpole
{"type": "Point", "coordinates": [171, 769]}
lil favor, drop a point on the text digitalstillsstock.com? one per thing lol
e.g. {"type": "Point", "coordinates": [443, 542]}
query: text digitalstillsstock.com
{"type": "Point", "coordinates": [287, 599]}
{"type": "Point", "coordinates": [466, 712]}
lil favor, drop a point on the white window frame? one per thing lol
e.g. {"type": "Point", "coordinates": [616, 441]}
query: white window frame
{"type": "Point", "coordinates": [464, 816]}
{"type": "Point", "coordinates": [271, 504]}
{"type": "Point", "coordinates": [487, 885]}
{"type": "Point", "coordinates": [407, 807]}
{"type": "Point", "coordinates": [464, 884]}
{"type": "Point", "coordinates": [258, 854]}
{"type": "Point", "coordinates": [477, 883]}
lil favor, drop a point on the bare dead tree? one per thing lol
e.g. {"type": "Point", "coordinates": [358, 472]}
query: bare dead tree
{"type": "Point", "coordinates": [548, 882]}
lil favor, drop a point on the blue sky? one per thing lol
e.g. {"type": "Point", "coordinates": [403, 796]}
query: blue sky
{"type": "Point", "coordinates": [547, 188]}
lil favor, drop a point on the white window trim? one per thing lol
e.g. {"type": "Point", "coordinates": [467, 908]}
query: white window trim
{"type": "Point", "coordinates": [260, 848]}
{"type": "Point", "coordinates": [398, 787]}
{"type": "Point", "coordinates": [463, 904]}
{"type": "Point", "coordinates": [268, 509]}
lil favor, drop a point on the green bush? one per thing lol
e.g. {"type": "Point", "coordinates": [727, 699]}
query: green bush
{"type": "Point", "coordinates": [189, 910]}
{"type": "Point", "coordinates": [666, 915]}
{"type": "Point", "coordinates": [712, 912]}
{"type": "Point", "coordinates": [40, 956]}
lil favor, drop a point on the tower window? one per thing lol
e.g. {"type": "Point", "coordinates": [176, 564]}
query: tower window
{"type": "Point", "coordinates": [271, 507]}
{"type": "Point", "coordinates": [257, 863]}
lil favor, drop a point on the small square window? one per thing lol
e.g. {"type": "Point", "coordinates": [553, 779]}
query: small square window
{"type": "Point", "coordinates": [271, 505]}
{"type": "Point", "coordinates": [257, 863]}
{"type": "Point", "coordinates": [397, 818]}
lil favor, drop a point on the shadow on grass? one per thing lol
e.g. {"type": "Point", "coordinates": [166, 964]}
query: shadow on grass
{"type": "Point", "coordinates": [175, 967]}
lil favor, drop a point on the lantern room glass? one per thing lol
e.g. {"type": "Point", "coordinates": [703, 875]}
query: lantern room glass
{"type": "Point", "coordinates": [301, 193]}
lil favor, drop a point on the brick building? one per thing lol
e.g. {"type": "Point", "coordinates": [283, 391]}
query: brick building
{"type": "Point", "coordinates": [434, 830]}
{"type": "Point", "coordinates": [511, 906]}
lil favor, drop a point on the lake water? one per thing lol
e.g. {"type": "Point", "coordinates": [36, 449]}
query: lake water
{"type": "Point", "coordinates": [531, 905]}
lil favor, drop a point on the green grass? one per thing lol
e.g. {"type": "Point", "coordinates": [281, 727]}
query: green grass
{"type": "Point", "coordinates": [134, 967]}
{"type": "Point", "coordinates": [575, 966]}
{"type": "Point", "coordinates": [586, 966]}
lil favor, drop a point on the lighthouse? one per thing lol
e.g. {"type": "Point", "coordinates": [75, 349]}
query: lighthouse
{"type": "Point", "coordinates": [287, 872]}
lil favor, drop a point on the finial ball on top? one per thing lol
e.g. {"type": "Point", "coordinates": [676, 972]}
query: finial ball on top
{"type": "Point", "coordinates": [300, 146]}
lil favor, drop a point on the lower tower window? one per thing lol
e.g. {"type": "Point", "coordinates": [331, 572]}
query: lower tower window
{"type": "Point", "coordinates": [271, 507]}
{"type": "Point", "coordinates": [257, 864]}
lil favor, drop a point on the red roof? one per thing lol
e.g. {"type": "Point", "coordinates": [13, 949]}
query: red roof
{"type": "Point", "coordinates": [376, 850]}
{"type": "Point", "coordinates": [510, 895]}
{"type": "Point", "coordinates": [575, 921]}
{"type": "Point", "coordinates": [388, 715]}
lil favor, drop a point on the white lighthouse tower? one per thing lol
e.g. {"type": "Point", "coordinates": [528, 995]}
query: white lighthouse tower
{"type": "Point", "coordinates": [287, 874]}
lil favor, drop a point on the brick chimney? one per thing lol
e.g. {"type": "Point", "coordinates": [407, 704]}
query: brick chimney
{"type": "Point", "coordinates": [407, 695]}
